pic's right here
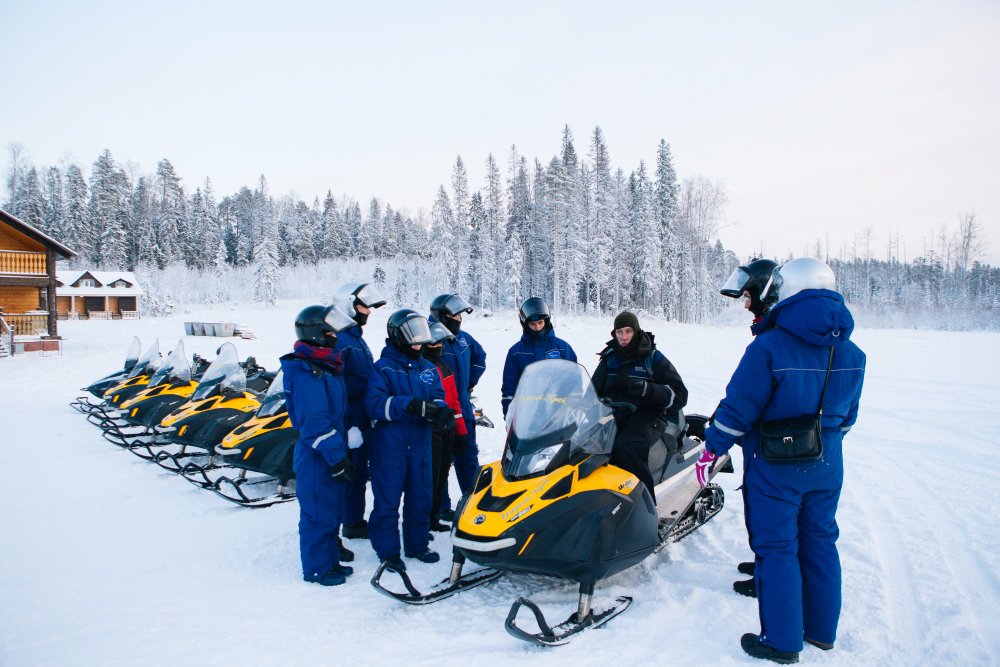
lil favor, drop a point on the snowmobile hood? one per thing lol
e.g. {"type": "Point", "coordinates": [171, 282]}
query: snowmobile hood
{"type": "Point", "coordinates": [817, 316]}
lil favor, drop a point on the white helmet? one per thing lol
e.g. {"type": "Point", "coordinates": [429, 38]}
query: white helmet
{"type": "Point", "coordinates": [797, 275]}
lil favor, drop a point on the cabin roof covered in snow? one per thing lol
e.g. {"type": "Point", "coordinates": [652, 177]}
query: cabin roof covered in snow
{"type": "Point", "coordinates": [67, 283]}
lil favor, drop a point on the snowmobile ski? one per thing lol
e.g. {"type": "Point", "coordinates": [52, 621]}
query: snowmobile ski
{"type": "Point", "coordinates": [456, 583]}
{"type": "Point", "coordinates": [565, 631]}
{"type": "Point", "coordinates": [232, 490]}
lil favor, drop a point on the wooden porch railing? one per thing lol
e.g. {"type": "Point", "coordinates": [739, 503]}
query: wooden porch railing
{"type": "Point", "coordinates": [6, 338]}
{"type": "Point", "coordinates": [28, 325]}
{"type": "Point", "coordinates": [22, 262]}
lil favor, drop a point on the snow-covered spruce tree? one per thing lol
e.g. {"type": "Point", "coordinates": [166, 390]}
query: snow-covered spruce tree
{"type": "Point", "coordinates": [666, 193]}
{"type": "Point", "coordinates": [55, 209]}
{"type": "Point", "coordinates": [168, 213]}
{"type": "Point", "coordinates": [491, 236]}
{"type": "Point", "coordinates": [443, 244]}
{"type": "Point", "coordinates": [464, 270]}
{"type": "Point", "coordinates": [355, 226]}
{"type": "Point", "coordinates": [101, 211]}
{"type": "Point", "coordinates": [265, 261]}
{"type": "Point", "coordinates": [477, 249]}
{"type": "Point", "coordinates": [601, 217]}
{"type": "Point", "coordinates": [647, 250]}
{"type": "Point", "coordinates": [31, 200]}
{"type": "Point", "coordinates": [518, 222]}
{"type": "Point", "coordinates": [75, 222]}
{"type": "Point", "coordinates": [538, 239]}
{"type": "Point", "coordinates": [16, 166]}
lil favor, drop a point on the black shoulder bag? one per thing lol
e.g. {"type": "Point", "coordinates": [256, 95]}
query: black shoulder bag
{"type": "Point", "coordinates": [795, 439]}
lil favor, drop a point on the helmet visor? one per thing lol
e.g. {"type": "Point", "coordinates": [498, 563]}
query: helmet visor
{"type": "Point", "coordinates": [439, 332]}
{"type": "Point", "coordinates": [455, 305]}
{"type": "Point", "coordinates": [369, 296]}
{"type": "Point", "coordinates": [736, 284]}
{"type": "Point", "coordinates": [338, 319]}
{"type": "Point", "coordinates": [773, 287]}
{"type": "Point", "coordinates": [416, 331]}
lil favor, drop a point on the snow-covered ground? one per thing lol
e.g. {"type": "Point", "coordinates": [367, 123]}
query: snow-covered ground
{"type": "Point", "coordinates": [106, 559]}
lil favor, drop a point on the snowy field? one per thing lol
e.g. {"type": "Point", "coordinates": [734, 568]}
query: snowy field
{"type": "Point", "coordinates": [105, 559]}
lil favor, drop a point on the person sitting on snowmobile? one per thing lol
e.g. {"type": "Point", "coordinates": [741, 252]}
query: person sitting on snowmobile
{"type": "Point", "coordinates": [747, 282]}
{"type": "Point", "coordinates": [443, 437]}
{"type": "Point", "coordinates": [634, 372]}
{"type": "Point", "coordinates": [317, 401]}
{"type": "Point", "coordinates": [802, 358]}
{"type": "Point", "coordinates": [537, 342]}
{"type": "Point", "coordinates": [358, 301]}
{"type": "Point", "coordinates": [406, 398]}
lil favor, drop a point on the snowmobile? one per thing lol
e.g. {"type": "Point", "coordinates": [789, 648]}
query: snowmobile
{"type": "Point", "coordinates": [135, 381]}
{"type": "Point", "coordinates": [220, 403]}
{"type": "Point", "coordinates": [265, 444]}
{"type": "Point", "coordinates": [97, 388]}
{"type": "Point", "coordinates": [554, 505]}
{"type": "Point", "coordinates": [171, 385]}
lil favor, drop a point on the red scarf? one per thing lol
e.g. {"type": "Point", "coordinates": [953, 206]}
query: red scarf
{"type": "Point", "coordinates": [325, 355]}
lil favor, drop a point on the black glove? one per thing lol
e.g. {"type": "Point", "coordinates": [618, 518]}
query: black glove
{"type": "Point", "coordinates": [461, 443]}
{"type": "Point", "coordinates": [445, 421]}
{"type": "Point", "coordinates": [429, 410]}
{"type": "Point", "coordinates": [342, 471]}
{"type": "Point", "coordinates": [638, 388]}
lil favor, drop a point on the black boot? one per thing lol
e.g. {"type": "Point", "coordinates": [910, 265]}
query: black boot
{"type": "Point", "coordinates": [346, 555]}
{"type": "Point", "coordinates": [746, 567]}
{"type": "Point", "coordinates": [820, 645]}
{"type": "Point", "coordinates": [745, 587]}
{"type": "Point", "coordinates": [355, 531]}
{"type": "Point", "coordinates": [753, 647]}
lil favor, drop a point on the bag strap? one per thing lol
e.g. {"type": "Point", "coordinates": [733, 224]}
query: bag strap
{"type": "Point", "coordinates": [826, 381]}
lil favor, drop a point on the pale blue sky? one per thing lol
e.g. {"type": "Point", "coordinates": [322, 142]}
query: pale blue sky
{"type": "Point", "coordinates": [820, 119]}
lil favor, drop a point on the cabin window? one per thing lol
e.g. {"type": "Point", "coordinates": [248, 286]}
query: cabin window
{"type": "Point", "coordinates": [88, 282]}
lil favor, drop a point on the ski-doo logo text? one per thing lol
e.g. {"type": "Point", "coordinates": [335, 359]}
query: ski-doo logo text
{"type": "Point", "coordinates": [625, 485]}
{"type": "Point", "coordinates": [520, 514]}
{"type": "Point", "coordinates": [480, 518]}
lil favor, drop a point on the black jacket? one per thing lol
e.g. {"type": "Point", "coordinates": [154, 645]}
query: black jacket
{"type": "Point", "coordinates": [666, 393]}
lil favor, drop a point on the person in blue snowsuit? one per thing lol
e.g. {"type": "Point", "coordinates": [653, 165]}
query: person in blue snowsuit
{"type": "Point", "coordinates": [791, 509]}
{"type": "Point", "coordinates": [537, 342]}
{"type": "Point", "coordinates": [317, 402]}
{"type": "Point", "coordinates": [468, 359]}
{"type": "Point", "coordinates": [357, 300]}
{"type": "Point", "coordinates": [405, 398]}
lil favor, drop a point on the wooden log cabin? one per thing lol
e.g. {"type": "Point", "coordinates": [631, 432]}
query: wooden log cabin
{"type": "Point", "coordinates": [28, 278]}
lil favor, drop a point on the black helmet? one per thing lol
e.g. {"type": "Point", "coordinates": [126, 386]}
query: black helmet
{"type": "Point", "coordinates": [314, 323]}
{"type": "Point", "coordinates": [407, 327]}
{"type": "Point", "coordinates": [751, 278]}
{"type": "Point", "coordinates": [534, 309]}
{"type": "Point", "coordinates": [364, 293]}
{"type": "Point", "coordinates": [448, 304]}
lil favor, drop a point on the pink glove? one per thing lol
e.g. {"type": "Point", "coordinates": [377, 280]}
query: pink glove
{"type": "Point", "coordinates": [702, 467]}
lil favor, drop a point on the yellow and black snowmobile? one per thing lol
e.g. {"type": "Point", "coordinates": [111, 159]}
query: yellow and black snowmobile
{"type": "Point", "coordinates": [553, 505]}
{"type": "Point", "coordinates": [265, 445]}
{"type": "Point", "coordinates": [186, 438]}
{"type": "Point", "coordinates": [96, 389]}
{"type": "Point", "coordinates": [134, 381]}
{"type": "Point", "coordinates": [170, 386]}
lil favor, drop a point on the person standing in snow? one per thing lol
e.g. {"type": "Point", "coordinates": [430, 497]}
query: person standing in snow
{"type": "Point", "coordinates": [633, 371]}
{"type": "Point", "coordinates": [791, 508]}
{"type": "Point", "coordinates": [467, 358]}
{"type": "Point", "coordinates": [357, 300]}
{"type": "Point", "coordinates": [537, 342]}
{"type": "Point", "coordinates": [406, 398]}
{"type": "Point", "coordinates": [317, 402]}
{"type": "Point", "coordinates": [443, 437]}
{"type": "Point", "coordinates": [747, 282]}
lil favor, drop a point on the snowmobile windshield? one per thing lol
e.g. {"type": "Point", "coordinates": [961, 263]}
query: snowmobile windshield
{"type": "Point", "coordinates": [274, 399]}
{"type": "Point", "coordinates": [735, 285]}
{"type": "Point", "coordinates": [150, 360]}
{"type": "Point", "coordinates": [554, 416]}
{"type": "Point", "coordinates": [132, 356]}
{"type": "Point", "coordinates": [175, 369]}
{"type": "Point", "coordinates": [224, 373]}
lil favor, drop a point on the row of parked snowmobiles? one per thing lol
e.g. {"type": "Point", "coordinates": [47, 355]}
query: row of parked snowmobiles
{"type": "Point", "coordinates": [552, 505]}
{"type": "Point", "coordinates": [221, 425]}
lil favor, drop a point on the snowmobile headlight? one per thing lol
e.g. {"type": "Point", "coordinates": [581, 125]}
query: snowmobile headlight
{"type": "Point", "coordinates": [537, 461]}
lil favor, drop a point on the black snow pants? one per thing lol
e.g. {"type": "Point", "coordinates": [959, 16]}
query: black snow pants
{"type": "Point", "coordinates": [636, 434]}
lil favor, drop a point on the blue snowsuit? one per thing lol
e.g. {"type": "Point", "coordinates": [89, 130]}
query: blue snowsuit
{"type": "Point", "coordinates": [400, 451]}
{"type": "Point", "coordinates": [527, 351]}
{"type": "Point", "coordinates": [358, 362]}
{"type": "Point", "coordinates": [317, 401]}
{"type": "Point", "coordinates": [468, 359]}
{"type": "Point", "coordinates": [791, 509]}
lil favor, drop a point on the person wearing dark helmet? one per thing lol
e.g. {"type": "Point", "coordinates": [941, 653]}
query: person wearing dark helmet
{"type": "Point", "coordinates": [538, 341]}
{"type": "Point", "coordinates": [357, 300]}
{"type": "Point", "coordinates": [747, 282]}
{"type": "Point", "coordinates": [467, 358]}
{"type": "Point", "coordinates": [312, 376]}
{"type": "Point", "coordinates": [443, 437]}
{"type": "Point", "coordinates": [406, 399]}
{"type": "Point", "coordinates": [801, 362]}
{"type": "Point", "coordinates": [633, 372]}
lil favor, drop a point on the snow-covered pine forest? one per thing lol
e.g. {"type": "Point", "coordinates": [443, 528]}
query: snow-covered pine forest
{"type": "Point", "coordinates": [585, 234]}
